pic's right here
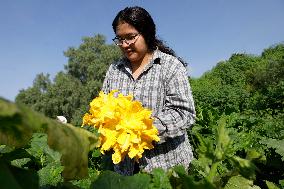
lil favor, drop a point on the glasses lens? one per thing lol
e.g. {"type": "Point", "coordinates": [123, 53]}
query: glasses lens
{"type": "Point", "coordinates": [131, 39]}
{"type": "Point", "coordinates": [117, 41]}
{"type": "Point", "coordinates": [128, 40]}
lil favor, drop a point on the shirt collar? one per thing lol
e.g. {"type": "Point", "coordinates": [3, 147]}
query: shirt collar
{"type": "Point", "coordinates": [157, 54]}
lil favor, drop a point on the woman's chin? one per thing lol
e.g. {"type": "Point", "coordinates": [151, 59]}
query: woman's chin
{"type": "Point", "coordinates": [131, 57]}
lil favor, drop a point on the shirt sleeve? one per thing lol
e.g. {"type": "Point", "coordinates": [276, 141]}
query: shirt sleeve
{"type": "Point", "coordinates": [178, 113]}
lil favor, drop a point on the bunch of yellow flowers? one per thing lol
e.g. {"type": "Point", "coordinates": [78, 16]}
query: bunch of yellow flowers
{"type": "Point", "coordinates": [123, 124]}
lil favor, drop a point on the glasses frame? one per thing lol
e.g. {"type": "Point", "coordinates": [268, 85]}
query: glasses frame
{"type": "Point", "coordinates": [119, 40]}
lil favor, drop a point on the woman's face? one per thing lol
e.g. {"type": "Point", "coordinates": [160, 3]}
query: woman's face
{"type": "Point", "coordinates": [134, 47]}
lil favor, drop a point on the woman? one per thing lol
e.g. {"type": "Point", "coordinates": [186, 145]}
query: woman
{"type": "Point", "coordinates": [158, 79]}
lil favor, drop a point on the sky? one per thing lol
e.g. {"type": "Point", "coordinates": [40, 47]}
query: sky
{"type": "Point", "coordinates": [35, 33]}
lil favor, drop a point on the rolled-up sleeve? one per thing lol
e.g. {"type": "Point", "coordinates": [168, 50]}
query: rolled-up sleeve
{"type": "Point", "coordinates": [178, 113]}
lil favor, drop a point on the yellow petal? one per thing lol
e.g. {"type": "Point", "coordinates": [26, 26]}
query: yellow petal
{"type": "Point", "coordinates": [116, 157]}
{"type": "Point", "coordinates": [124, 141]}
{"type": "Point", "coordinates": [133, 151]}
{"type": "Point", "coordinates": [135, 137]}
{"type": "Point", "coordinates": [110, 139]}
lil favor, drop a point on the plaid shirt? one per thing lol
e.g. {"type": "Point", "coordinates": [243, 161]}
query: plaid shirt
{"type": "Point", "coordinates": [162, 87]}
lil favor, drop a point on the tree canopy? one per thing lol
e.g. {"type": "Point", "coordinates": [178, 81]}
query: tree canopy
{"type": "Point", "coordinates": [244, 82]}
{"type": "Point", "coordinates": [72, 89]}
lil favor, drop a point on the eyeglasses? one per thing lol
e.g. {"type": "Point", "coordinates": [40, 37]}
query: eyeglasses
{"type": "Point", "coordinates": [131, 39]}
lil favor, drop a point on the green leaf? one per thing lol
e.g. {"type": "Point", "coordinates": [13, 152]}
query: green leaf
{"type": "Point", "coordinates": [20, 162]}
{"type": "Point", "coordinates": [18, 123]}
{"type": "Point", "coordinates": [112, 180]}
{"type": "Point", "coordinates": [252, 154]}
{"type": "Point", "coordinates": [281, 182]}
{"type": "Point", "coordinates": [18, 153]}
{"type": "Point", "coordinates": [50, 174]}
{"type": "Point", "coordinates": [180, 170]}
{"type": "Point", "coordinates": [74, 144]}
{"type": "Point", "coordinates": [14, 129]}
{"type": "Point", "coordinates": [17, 178]}
{"type": "Point", "coordinates": [185, 181]}
{"type": "Point", "coordinates": [223, 139]}
{"type": "Point", "coordinates": [40, 150]}
{"type": "Point", "coordinates": [5, 149]}
{"type": "Point", "coordinates": [278, 145]}
{"type": "Point", "coordinates": [96, 153]}
{"type": "Point", "coordinates": [238, 182]}
{"type": "Point", "coordinates": [271, 185]}
{"type": "Point", "coordinates": [86, 183]}
{"type": "Point", "coordinates": [246, 167]}
{"type": "Point", "coordinates": [160, 179]}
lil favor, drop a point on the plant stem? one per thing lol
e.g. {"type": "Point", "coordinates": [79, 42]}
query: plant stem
{"type": "Point", "coordinates": [212, 172]}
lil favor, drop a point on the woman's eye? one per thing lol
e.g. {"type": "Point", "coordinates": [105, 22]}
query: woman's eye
{"type": "Point", "coordinates": [130, 37]}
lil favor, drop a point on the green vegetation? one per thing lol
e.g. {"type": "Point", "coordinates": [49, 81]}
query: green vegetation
{"type": "Point", "coordinates": [238, 138]}
{"type": "Point", "coordinates": [71, 91]}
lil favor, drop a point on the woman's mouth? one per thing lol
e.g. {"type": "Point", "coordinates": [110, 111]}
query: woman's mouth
{"type": "Point", "coordinates": [129, 52]}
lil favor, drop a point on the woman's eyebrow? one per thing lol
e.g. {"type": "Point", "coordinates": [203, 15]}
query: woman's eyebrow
{"type": "Point", "coordinates": [126, 35]}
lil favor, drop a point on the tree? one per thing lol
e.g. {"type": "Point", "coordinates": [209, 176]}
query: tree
{"type": "Point", "coordinates": [35, 96]}
{"type": "Point", "coordinates": [71, 90]}
{"type": "Point", "coordinates": [225, 86]}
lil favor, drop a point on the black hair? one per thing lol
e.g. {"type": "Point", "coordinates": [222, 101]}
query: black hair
{"type": "Point", "coordinates": [142, 21]}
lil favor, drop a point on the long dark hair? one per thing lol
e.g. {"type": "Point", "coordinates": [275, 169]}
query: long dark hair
{"type": "Point", "coordinates": [142, 21]}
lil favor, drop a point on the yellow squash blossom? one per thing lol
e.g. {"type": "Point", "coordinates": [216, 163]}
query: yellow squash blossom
{"type": "Point", "coordinates": [123, 124]}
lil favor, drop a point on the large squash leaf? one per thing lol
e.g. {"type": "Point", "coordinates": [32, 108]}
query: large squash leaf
{"type": "Point", "coordinates": [17, 178]}
{"type": "Point", "coordinates": [18, 123]}
{"type": "Point", "coordinates": [278, 145]}
{"type": "Point", "coordinates": [16, 129]}
{"type": "Point", "coordinates": [112, 180]}
{"type": "Point", "coordinates": [74, 145]}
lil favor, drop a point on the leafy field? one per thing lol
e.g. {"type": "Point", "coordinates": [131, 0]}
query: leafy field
{"type": "Point", "coordinates": [238, 137]}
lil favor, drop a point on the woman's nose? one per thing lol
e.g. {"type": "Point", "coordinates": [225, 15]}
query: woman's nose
{"type": "Point", "coordinates": [124, 44]}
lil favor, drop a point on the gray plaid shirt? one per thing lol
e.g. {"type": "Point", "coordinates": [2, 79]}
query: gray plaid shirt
{"type": "Point", "coordinates": [163, 87]}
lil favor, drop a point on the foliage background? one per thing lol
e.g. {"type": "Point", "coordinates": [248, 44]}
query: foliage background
{"type": "Point", "coordinates": [238, 137]}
